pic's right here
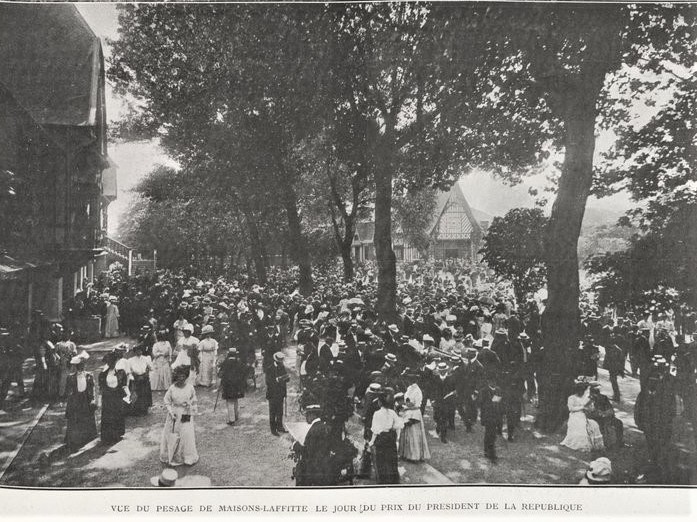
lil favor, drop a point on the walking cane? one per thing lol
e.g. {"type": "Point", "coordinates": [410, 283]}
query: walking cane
{"type": "Point", "coordinates": [216, 399]}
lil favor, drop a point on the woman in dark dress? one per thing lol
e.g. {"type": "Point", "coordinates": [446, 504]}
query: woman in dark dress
{"type": "Point", "coordinates": [80, 407]}
{"type": "Point", "coordinates": [40, 388]}
{"type": "Point", "coordinates": [114, 387]}
{"type": "Point", "coordinates": [141, 366]}
{"type": "Point", "coordinates": [233, 380]}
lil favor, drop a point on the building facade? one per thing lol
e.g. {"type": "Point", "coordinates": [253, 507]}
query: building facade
{"type": "Point", "coordinates": [456, 231]}
{"type": "Point", "coordinates": [57, 179]}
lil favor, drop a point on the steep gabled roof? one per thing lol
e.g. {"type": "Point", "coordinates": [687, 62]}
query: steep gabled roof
{"type": "Point", "coordinates": [444, 200]}
{"type": "Point", "coordinates": [365, 231]}
{"type": "Point", "coordinates": [51, 61]}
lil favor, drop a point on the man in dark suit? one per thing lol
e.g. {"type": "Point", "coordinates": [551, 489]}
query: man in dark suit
{"type": "Point", "coordinates": [314, 467]}
{"type": "Point", "coordinates": [641, 350]}
{"type": "Point", "coordinates": [276, 380]}
{"type": "Point", "coordinates": [443, 400]}
{"type": "Point", "coordinates": [491, 405]}
{"type": "Point", "coordinates": [614, 364]}
{"type": "Point", "coordinates": [469, 377]}
{"type": "Point", "coordinates": [319, 360]}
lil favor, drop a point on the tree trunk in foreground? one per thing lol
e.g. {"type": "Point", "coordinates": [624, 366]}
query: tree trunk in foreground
{"type": "Point", "coordinates": [298, 243]}
{"type": "Point", "coordinates": [561, 320]}
{"type": "Point", "coordinates": [382, 238]}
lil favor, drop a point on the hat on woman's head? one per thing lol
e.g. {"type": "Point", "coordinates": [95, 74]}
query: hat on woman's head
{"type": "Point", "coordinates": [188, 327]}
{"type": "Point", "coordinates": [208, 329]}
{"type": "Point", "coordinates": [600, 470]}
{"type": "Point", "coordinates": [278, 356]}
{"type": "Point", "coordinates": [166, 479]}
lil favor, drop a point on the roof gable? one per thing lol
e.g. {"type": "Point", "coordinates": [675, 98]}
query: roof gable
{"type": "Point", "coordinates": [444, 201]}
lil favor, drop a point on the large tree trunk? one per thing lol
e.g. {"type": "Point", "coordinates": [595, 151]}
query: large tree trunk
{"type": "Point", "coordinates": [298, 243]}
{"type": "Point", "coordinates": [256, 245]}
{"type": "Point", "coordinates": [573, 98]}
{"type": "Point", "coordinates": [382, 238]}
{"type": "Point", "coordinates": [345, 247]}
{"type": "Point", "coordinates": [561, 321]}
{"type": "Point", "coordinates": [344, 242]}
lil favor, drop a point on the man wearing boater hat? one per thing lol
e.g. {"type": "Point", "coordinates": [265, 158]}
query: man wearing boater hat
{"type": "Point", "coordinates": [276, 380]}
{"type": "Point", "coordinates": [443, 400]}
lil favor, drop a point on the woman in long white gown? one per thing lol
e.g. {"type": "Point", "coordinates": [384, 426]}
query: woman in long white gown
{"type": "Point", "coordinates": [582, 433]}
{"type": "Point", "coordinates": [111, 328]}
{"type": "Point", "coordinates": [208, 353]}
{"type": "Point", "coordinates": [161, 376]}
{"type": "Point", "coordinates": [178, 443]}
{"type": "Point", "coordinates": [412, 440]}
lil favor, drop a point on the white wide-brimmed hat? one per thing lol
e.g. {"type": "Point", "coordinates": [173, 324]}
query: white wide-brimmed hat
{"type": "Point", "coordinates": [166, 479]}
{"type": "Point", "coordinates": [600, 470]}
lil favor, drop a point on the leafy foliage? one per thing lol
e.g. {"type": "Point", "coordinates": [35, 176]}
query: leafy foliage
{"type": "Point", "coordinates": [414, 212]}
{"type": "Point", "coordinates": [514, 249]}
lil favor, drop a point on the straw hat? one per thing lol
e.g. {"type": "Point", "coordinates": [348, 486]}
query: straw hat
{"type": "Point", "coordinates": [208, 329]}
{"type": "Point", "coordinates": [79, 358]}
{"type": "Point", "coordinates": [166, 479]}
{"type": "Point", "coordinates": [600, 470]}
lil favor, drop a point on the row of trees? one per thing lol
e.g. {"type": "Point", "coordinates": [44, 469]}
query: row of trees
{"type": "Point", "coordinates": [392, 98]}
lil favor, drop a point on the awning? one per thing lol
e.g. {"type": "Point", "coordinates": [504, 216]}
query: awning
{"type": "Point", "coordinates": [11, 268]}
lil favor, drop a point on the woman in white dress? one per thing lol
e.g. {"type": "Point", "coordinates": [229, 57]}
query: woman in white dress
{"type": "Point", "coordinates": [161, 376]}
{"type": "Point", "coordinates": [187, 353]}
{"type": "Point", "coordinates": [178, 443]}
{"type": "Point", "coordinates": [111, 328]}
{"type": "Point", "coordinates": [178, 327]}
{"type": "Point", "coordinates": [208, 353]}
{"type": "Point", "coordinates": [412, 439]}
{"type": "Point", "coordinates": [582, 433]}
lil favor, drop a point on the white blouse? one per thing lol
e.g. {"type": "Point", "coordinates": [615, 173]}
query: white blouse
{"type": "Point", "coordinates": [112, 380]}
{"type": "Point", "coordinates": [140, 364]}
{"type": "Point", "coordinates": [181, 400]}
{"type": "Point", "coordinates": [384, 420]}
{"type": "Point", "coordinates": [81, 382]}
{"type": "Point", "coordinates": [208, 345]}
{"type": "Point", "coordinates": [415, 396]}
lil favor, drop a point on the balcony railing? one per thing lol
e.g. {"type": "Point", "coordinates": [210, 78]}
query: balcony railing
{"type": "Point", "coordinates": [117, 248]}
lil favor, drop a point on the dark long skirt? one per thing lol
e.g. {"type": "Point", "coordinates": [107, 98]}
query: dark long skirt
{"type": "Point", "coordinates": [81, 425]}
{"type": "Point", "coordinates": [141, 387]}
{"type": "Point", "coordinates": [386, 458]}
{"type": "Point", "coordinates": [40, 387]}
{"type": "Point", "coordinates": [113, 424]}
{"type": "Point", "coordinates": [53, 383]}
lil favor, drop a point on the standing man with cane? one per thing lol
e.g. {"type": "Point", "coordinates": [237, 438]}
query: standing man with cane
{"type": "Point", "coordinates": [276, 380]}
{"type": "Point", "coordinates": [233, 382]}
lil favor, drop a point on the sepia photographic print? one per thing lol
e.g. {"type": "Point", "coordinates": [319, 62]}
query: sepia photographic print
{"type": "Point", "coordinates": [376, 259]}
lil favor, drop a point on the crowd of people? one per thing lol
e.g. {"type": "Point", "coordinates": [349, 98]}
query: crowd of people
{"type": "Point", "coordinates": [459, 345]}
